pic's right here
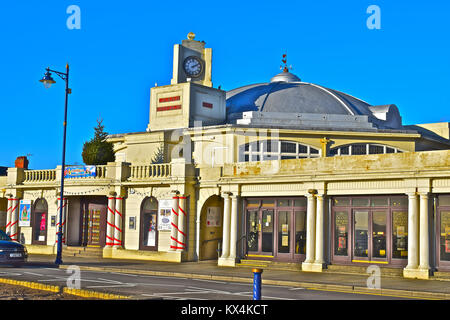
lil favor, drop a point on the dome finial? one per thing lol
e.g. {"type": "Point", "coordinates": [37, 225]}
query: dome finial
{"type": "Point", "coordinates": [191, 36]}
{"type": "Point", "coordinates": [285, 67]}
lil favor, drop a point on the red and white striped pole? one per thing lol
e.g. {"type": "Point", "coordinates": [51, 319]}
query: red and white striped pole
{"type": "Point", "coordinates": [8, 216]}
{"type": "Point", "coordinates": [58, 222]}
{"type": "Point", "coordinates": [110, 222]}
{"type": "Point", "coordinates": [65, 209]}
{"type": "Point", "coordinates": [174, 245]}
{"type": "Point", "coordinates": [118, 224]}
{"type": "Point", "coordinates": [14, 219]}
{"type": "Point", "coordinates": [181, 238]}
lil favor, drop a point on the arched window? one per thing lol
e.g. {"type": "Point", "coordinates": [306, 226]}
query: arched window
{"type": "Point", "coordinates": [149, 225]}
{"type": "Point", "coordinates": [276, 150]}
{"type": "Point", "coordinates": [39, 222]}
{"type": "Point", "coordinates": [362, 149]}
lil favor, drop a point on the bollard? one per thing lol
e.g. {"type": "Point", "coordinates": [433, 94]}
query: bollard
{"type": "Point", "coordinates": [257, 284]}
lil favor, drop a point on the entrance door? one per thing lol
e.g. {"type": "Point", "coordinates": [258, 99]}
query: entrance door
{"type": "Point", "coordinates": [369, 235]}
{"type": "Point", "coordinates": [260, 232]}
{"type": "Point", "coordinates": [443, 239]}
{"type": "Point", "coordinates": [284, 234]}
{"type": "Point", "coordinates": [94, 223]}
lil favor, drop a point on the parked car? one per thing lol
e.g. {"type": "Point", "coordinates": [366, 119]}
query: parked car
{"type": "Point", "coordinates": [12, 252]}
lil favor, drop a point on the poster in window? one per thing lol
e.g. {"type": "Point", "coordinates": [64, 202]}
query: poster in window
{"type": "Point", "coordinates": [24, 213]}
{"type": "Point", "coordinates": [213, 217]}
{"type": "Point", "coordinates": [165, 214]}
{"type": "Point", "coordinates": [447, 246]}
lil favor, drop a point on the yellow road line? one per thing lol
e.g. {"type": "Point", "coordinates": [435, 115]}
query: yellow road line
{"type": "Point", "coordinates": [376, 294]}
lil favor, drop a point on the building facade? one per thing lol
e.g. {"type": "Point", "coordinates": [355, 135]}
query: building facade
{"type": "Point", "coordinates": [284, 171]}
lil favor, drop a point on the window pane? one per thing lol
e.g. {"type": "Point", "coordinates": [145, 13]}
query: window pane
{"type": "Point", "coordinates": [246, 147]}
{"type": "Point", "coordinates": [379, 234]}
{"type": "Point", "coordinates": [341, 202]}
{"type": "Point", "coordinates": [313, 151]}
{"type": "Point", "coordinates": [333, 152]}
{"type": "Point", "coordinates": [374, 149]}
{"type": "Point", "coordinates": [271, 146]}
{"type": "Point", "coordinates": [361, 233]}
{"type": "Point", "coordinates": [445, 236]}
{"type": "Point", "coordinates": [268, 203]}
{"type": "Point", "coordinates": [345, 150]}
{"type": "Point", "coordinates": [341, 233]}
{"type": "Point", "coordinates": [252, 231]}
{"type": "Point", "coordinates": [390, 150]}
{"type": "Point", "coordinates": [149, 225]}
{"type": "Point", "coordinates": [399, 201]}
{"type": "Point", "coordinates": [255, 157]}
{"type": "Point", "coordinates": [302, 149]}
{"type": "Point", "coordinates": [360, 202]}
{"type": "Point", "coordinates": [358, 149]}
{"type": "Point", "coordinates": [444, 200]}
{"type": "Point", "coordinates": [252, 203]}
{"type": "Point", "coordinates": [283, 203]}
{"type": "Point", "coordinates": [300, 232]}
{"type": "Point", "coordinates": [288, 157]}
{"type": "Point", "coordinates": [379, 202]}
{"type": "Point", "coordinates": [284, 223]}
{"type": "Point", "coordinates": [300, 202]}
{"type": "Point", "coordinates": [400, 234]}
{"type": "Point", "coordinates": [267, 231]}
{"type": "Point", "coordinates": [288, 147]}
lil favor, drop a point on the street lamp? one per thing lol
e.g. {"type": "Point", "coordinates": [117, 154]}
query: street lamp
{"type": "Point", "coordinates": [47, 80]}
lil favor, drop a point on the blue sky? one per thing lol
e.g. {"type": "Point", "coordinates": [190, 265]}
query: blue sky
{"type": "Point", "coordinates": [124, 47]}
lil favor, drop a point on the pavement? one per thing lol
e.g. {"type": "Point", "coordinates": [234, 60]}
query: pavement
{"type": "Point", "coordinates": [326, 281]}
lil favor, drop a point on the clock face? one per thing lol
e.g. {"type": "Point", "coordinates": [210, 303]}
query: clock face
{"type": "Point", "coordinates": [193, 66]}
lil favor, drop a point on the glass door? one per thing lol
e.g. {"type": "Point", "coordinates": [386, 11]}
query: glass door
{"type": "Point", "coordinates": [444, 238]}
{"type": "Point", "coordinates": [379, 232]}
{"type": "Point", "coordinates": [260, 232]}
{"type": "Point", "coordinates": [369, 236]}
{"type": "Point", "coordinates": [252, 232]}
{"type": "Point", "coordinates": [361, 235]}
{"type": "Point", "coordinates": [284, 246]}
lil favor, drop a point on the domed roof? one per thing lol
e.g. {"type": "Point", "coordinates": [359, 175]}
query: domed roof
{"type": "Point", "coordinates": [286, 93]}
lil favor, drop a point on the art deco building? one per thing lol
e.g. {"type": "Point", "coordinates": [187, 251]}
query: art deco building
{"type": "Point", "coordinates": [282, 172]}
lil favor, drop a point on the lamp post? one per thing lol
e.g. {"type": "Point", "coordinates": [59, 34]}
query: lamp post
{"type": "Point", "coordinates": [47, 80]}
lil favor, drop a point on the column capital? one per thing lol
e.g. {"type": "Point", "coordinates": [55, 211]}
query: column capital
{"type": "Point", "coordinates": [226, 194]}
{"type": "Point", "coordinates": [424, 195]}
{"type": "Point", "coordinates": [411, 194]}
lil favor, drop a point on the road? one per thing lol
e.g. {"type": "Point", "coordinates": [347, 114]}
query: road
{"type": "Point", "coordinates": [171, 288]}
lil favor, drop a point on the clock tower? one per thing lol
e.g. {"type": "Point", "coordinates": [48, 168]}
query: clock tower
{"type": "Point", "coordinates": [192, 62]}
{"type": "Point", "coordinates": [190, 99]}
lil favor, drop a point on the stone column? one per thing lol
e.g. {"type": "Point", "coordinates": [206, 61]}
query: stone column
{"type": "Point", "coordinates": [310, 229]}
{"type": "Point", "coordinates": [226, 226]}
{"type": "Point", "coordinates": [182, 215]}
{"type": "Point", "coordinates": [424, 257]}
{"type": "Point", "coordinates": [413, 227]}
{"type": "Point", "coordinates": [118, 222]}
{"type": "Point", "coordinates": [110, 221]}
{"type": "Point", "coordinates": [174, 218]}
{"type": "Point", "coordinates": [319, 231]}
{"type": "Point", "coordinates": [233, 227]}
{"type": "Point", "coordinates": [14, 220]}
{"type": "Point", "coordinates": [8, 215]}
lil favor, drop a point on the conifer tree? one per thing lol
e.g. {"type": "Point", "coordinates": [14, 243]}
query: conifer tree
{"type": "Point", "coordinates": [98, 151]}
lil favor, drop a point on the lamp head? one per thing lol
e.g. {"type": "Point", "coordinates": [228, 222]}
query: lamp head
{"type": "Point", "coordinates": [47, 79]}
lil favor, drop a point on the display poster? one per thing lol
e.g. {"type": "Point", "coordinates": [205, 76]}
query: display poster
{"type": "Point", "coordinates": [284, 241]}
{"type": "Point", "coordinates": [213, 217]}
{"type": "Point", "coordinates": [80, 172]}
{"type": "Point", "coordinates": [164, 215]}
{"type": "Point", "coordinates": [25, 213]}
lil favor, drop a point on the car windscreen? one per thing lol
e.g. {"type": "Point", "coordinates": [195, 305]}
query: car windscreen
{"type": "Point", "coordinates": [4, 236]}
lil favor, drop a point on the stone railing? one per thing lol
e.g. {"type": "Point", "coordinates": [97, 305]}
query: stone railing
{"type": "Point", "coordinates": [141, 172]}
{"type": "Point", "coordinates": [39, 176]}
